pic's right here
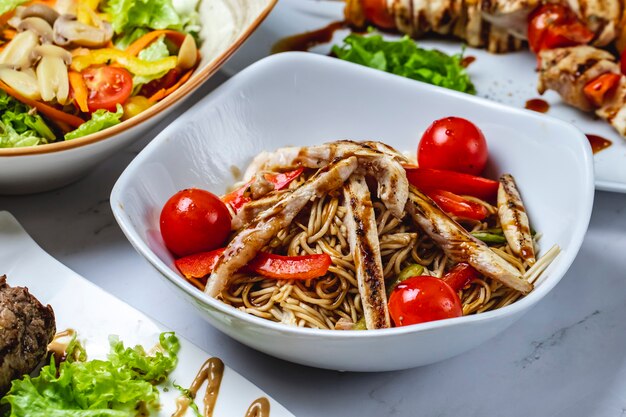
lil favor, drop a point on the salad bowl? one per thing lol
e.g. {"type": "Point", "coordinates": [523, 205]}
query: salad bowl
{"type": "Point", "coordinates": [225, 25]}
{"type": "Point", "coordinates": [303, 99]}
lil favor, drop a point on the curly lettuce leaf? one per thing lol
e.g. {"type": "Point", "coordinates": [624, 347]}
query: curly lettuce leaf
{"type": "Point", "coordinates": [8, 5]}
{"type": "Point", "coordinates": [20, 125]}
{"type": "Point", "coordinates": [100, 120]}
{"type": "Point", "coordinates": [97, 388]}
{"type": "Point", "coordinates": [133, 18]}
{"type": "Point", "coordinates": [403, 57]}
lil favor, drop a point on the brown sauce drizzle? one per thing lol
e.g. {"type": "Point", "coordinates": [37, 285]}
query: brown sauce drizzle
{"type": "Point", "coordinates": [58, 347]}
{"type": "Point", "coordinates": [538, 105]}
{"type": "Point", "coordinates": [212, 371]}
{"type": "Point", "coordinates": [598, 143]}
{"type": "Point", "coordinates": [467, 61]}
{"type": "Point", "coordinates": [259, 408]}
{"type": "Point", "coordinates": [307, 40]}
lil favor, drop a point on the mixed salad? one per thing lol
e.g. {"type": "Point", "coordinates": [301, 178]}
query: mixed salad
{"type": "Point", "coordinates": [69, 68]}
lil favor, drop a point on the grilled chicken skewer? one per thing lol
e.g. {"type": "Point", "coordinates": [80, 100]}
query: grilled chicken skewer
{"type": "Point", "coordinates": [459, 245]}
{"type": "Point", "coordinates": [249, 241]}
{"type": "Point", "coordinates": [514, 220]}
{"type": "Point", "coordinates": [360, 221]}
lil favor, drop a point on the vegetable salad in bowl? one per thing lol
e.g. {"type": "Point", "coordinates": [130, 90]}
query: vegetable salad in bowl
{"type": "Point", "coordinates": [70, 68]}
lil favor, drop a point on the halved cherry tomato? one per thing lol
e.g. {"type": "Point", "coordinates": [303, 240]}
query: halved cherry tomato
{"type": "Point", "coordinates": [193, 221]}
{"type": "Point", "coordinates": [426, 180]}
{"type": "Point", "coordinates": [376, 12]}
{"type": "Point", "coordinates": [455, 144]}
{"type": "Point", "coordinates": [555, 25]}
{"type": "Point", "coordinates": [460, 276]}
{"type": "Point", "coordinates": [601, 88]}
{"type": "Point", "coordinates": [107, 87]}
{"type": "Point", "coordinates": [457, 205]}
{"type": "Point", "coordinates": [423, 299]}
{"type": "Point", "coordinates": [267, 264]}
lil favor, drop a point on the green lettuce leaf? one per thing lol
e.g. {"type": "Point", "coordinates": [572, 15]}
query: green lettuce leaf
{"type": "Point", "coordinates": [403, 57]}
{"type": "Point", "coordinates": [8, 5]}
{"type": "Point", "coordinates": [133, 18]}
{"type": "Point", "coordinates": [100, 120]}
{"type": "Point", "coordinates": [20, 125]}
{"type": "Point", "coordinates": [117, 387]}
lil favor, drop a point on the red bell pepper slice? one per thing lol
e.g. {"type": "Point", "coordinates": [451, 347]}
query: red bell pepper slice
{"type": "Point", "coordinates": [457, 205]}
{"type": "Point", "coordinates": [460, 276]}
{"type": "Point", "coordinates": [283, 179]}
{"type": "Point", "coordinates": [198, 265]}
{"type": "Point", "coordinates": [291, 267]}
{"type": "Point", "coordinates": [267, 264]}
{"type": "Point", "coordinates": [601, 88]}
{"type": "Point", "coordinates": [427, 179]}
{"type": "Point", "coordinates": [238, 198]}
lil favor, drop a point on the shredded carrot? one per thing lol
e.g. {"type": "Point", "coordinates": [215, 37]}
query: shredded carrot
{"type": "Point", "coordinates": [79, 89]}
{"type": "Point", "coordinates": [43, 108]}
{"type": "Point", "coordinates": [141, 43]}
{"type": "Point", "coordinates": [164, 92]}
{"type": "Point", "coordinates": [8, 34]}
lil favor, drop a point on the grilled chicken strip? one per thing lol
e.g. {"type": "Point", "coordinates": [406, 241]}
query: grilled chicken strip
{"type": "Point", "coordinates": [568, 70]}
{"type": "Point", "coordinates": [459, 245]}
{"type": "Point", "coordinates": [249, 241]}
{"type": "Point", "coordinates": [363, 237]}
{"type": "Point", "coordinates": [393, 187]}
{"type": "Point", "coordinates": [250, 210]}
{"type": "Point", "coordinates": [514, 220]}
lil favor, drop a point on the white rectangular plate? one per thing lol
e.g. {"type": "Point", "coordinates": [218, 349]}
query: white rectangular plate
{"type": "Point", "coordinates": [95, 314]}
{"type": "Point", "coordinates": [508, 78]}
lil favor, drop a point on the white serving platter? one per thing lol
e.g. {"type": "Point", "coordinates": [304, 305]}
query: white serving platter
{"type": "Point", "coordinates": [95, 314]}
{"type": "Point", "coordinates": [510, 79]}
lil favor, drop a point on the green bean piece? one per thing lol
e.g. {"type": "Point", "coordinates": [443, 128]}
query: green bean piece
{"type": "Point", "coordinates": [489, 237]}
{"type": "Point", "coordinates": [413, 270]}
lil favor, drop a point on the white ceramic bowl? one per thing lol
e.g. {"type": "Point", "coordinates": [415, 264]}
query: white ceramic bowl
{"type": "Point", "coordinates": [304, 99]}
{"type": "Point", "coordinates": [226, 24]}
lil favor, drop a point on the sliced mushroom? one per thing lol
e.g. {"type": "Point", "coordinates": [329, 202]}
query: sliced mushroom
{"type": "Point", "coordinates": [38, 10]}
{"type": "Point", "coordinates": [188, 53]}
{"type": "Point", "coordinates": [38, 25]}
{"type": "Point", "coordinates": [52, 72]}
{"type": "Point", "coordinates": [68, 30]}
{"type": "Point", "coordinates": [17, 52]}
{"type": "Point", "coordinates": [24, 82]}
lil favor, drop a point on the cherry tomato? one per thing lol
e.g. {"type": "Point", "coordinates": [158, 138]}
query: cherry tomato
{"type": "Point", "coordinates": [194, 221]}
{"type": "Point", "coordinates": [554, 26]}
{"type": "Point", "coordinates": [422, 299]}
{"type": "Point", "coordinates": [377, 13]}
{"type": "Point", "coordinates": [107, 87]}
{"type": "Point", "coordinates": [453, 144]}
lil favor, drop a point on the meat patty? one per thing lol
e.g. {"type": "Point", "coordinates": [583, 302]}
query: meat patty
{"type": "Point", "coordinates": [26, 328]}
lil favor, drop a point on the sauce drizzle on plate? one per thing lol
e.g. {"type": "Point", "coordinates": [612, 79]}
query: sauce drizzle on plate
{"type": "Point", "coordinates": [598, 143]}
{"type": "Point", "coordinates": [538, 105]}
{"type": "Point", "coordinates": [307, 40]}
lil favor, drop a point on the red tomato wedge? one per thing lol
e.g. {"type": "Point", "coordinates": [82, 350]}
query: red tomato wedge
{"type": "Point", "coordinates": [601, 88]}
{"type": "Point", "coordinates": [426, 179]}
{"type": "Point", "coordinates": [376, 12]}
{"type": "Point", "coordinates": [460, 276]}
{"type": "Point", "coordinates": [107, 87]}
{"type": "Point", "coordinates": [554, 26]}
{"type": "Point", "coordinates": [458, 206]}
{"type": "Point", "coordinates": [267, 264]}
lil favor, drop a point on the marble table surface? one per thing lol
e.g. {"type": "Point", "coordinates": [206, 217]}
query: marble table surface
{"type": "Point", "coordinates": [565, 358]}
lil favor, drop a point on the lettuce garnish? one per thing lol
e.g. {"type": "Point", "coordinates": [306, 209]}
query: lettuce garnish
{"type": "Point", "coordinates": [118, 387]}
{"type": "Point", "coordinates": [100, 120]}
{"type": "Point", "coordinates": [403, 57]}
{"type": "Point", "coordinates": [20, 125]}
